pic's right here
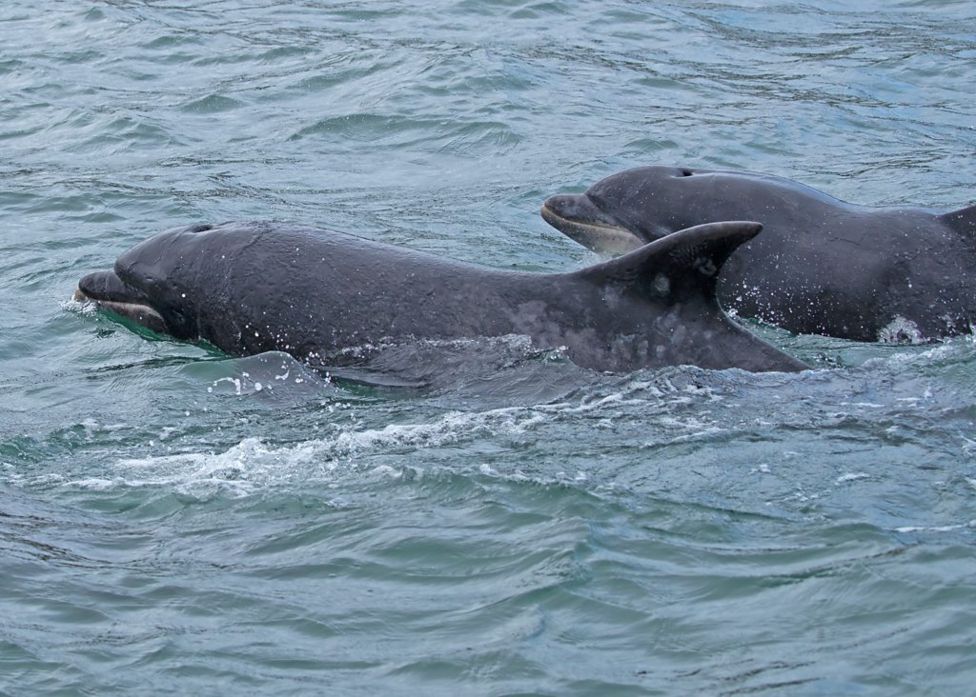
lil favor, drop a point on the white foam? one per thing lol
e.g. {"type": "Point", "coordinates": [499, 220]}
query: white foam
{"type": "Point", "coordinates": [82, 307]}
{"type": "Point", "coordinates": [901, 330]}
{"type": "Point", "coordinates": [253, 464]}
{"type": "Point", "coordinates": [97, 484]}
{"type": "Point", "coordinates": [906, 359]}
{"type": "Point", "coordinates": [936, 528]}
{"type": "Point", "coordinates": [851, 477]}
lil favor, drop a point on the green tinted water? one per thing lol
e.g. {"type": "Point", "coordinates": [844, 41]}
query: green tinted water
{"type": "Point", "coordinates": [176, 522]}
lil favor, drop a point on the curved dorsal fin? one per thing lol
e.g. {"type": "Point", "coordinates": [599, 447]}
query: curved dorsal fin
{"type": "Point", "coordinates": [962, 220]}
{"type": "Point", "coordinates": [678, 265]}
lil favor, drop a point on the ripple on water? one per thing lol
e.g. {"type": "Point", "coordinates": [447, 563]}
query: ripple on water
{"type": "Point", "coordinates": [495, 519]}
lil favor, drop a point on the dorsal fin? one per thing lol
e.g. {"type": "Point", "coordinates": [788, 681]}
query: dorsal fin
{"type": "Point", "coordinates": [962, 220]}
{"type": "Point", "coordinates": [678, 265]}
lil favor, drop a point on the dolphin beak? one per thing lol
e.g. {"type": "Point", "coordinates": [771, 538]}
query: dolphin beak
{"type": "Point", "coordinates": [109, 292]}
{"type": "Point", "coordinates": [576, 216]}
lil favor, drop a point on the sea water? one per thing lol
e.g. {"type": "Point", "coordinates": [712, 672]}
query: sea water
{"type": "Point", "coordinates": [174, 521]}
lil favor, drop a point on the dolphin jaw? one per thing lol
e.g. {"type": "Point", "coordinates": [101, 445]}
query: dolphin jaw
{"type": "Point", "coordinates": [603, 238]}
{"type": "Point", "coordinates": [127, 307]}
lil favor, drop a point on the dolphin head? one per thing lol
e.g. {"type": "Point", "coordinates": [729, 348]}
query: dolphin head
{"type": "Point", "coordinates": [155, 284]}
{"type": "Point", "coordinates": [625, 210]}
{"type": "Point", "coordinates": [211, 283]}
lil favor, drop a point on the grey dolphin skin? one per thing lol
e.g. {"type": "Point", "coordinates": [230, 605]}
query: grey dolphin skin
{"type": "Point", "coordinates": [821, 266]}
{"type": "Point", "coordinates": [247, 288]}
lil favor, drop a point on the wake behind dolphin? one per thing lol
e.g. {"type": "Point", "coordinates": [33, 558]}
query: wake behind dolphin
{"type": "Point", "coordinates": [248, 288]}
{"type": "Point", "coordinates": [821, 266]}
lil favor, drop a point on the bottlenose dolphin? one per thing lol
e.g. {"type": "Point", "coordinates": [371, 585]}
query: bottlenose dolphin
{"type": "Point", "coordinates": [821, 266]}
{"type": "Point", "coordinates": [247, 288]}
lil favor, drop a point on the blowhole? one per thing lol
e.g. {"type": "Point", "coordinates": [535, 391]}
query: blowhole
{"type": "Point", "coordinates": [686, 172]}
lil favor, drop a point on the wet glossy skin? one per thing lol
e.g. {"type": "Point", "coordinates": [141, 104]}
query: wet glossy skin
{"type": "Point", "coordinates": [821, 266]}
{"type": "Point", "coordinates": [253, 287]}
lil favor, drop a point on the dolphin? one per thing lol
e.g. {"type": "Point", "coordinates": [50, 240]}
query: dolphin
{"type": "Point", "coordinates": [252, 287]}
{"type": "Point", "coordinates": [821, 266]}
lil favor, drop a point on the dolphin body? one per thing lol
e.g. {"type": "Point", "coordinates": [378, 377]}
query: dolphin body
{"type": "Point", "coordinates": [821, 266]}
{"type": "Point", "coordinates": [252, 287]}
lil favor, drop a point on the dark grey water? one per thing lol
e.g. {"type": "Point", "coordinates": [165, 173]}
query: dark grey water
{"type": "Point", "coordinates": [176, 522]}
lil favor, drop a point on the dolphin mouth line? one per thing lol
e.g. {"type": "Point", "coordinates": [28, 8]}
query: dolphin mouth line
{"type": "Point", "coordinates": [126, 309]}
{"type": "Point", "coordinates": [112, 295]}
{"type": "Point", "coordinates": [600, 237]}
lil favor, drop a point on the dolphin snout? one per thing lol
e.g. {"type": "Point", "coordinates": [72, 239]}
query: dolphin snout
{"type": "Point", "coordinates": [576, 208]}
{"type": "Point", "coordinates": [577, 217]}
{"type": "Point", "coordinates": [109, 292]}
{"type": "Point", "coordinates": [106, 285]}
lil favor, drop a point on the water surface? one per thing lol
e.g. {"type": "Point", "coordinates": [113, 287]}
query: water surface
{"type": "Point", "coordinates": [176, 520]}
